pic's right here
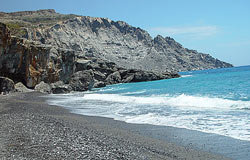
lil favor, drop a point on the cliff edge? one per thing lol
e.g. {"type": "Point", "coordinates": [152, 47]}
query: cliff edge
{"type": "Point", "coordinates": [115, 41]}
{"type": "Point", "coordinates": [57, 70]}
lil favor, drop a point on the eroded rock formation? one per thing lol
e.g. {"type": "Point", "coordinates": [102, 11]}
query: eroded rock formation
{"type": "Point", "coordinates": [114, 41]}
{"type": "Point", "coordinates": [57, 70]}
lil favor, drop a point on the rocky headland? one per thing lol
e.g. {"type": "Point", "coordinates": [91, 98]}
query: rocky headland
{"type": "Point", "coordinates": [58, 53]}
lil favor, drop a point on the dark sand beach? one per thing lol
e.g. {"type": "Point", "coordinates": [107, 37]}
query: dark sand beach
{"type": "Point", "coordinates": [32, 129]}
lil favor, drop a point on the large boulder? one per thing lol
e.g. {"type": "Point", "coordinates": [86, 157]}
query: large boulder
{"type": "Point", "coordinates": [43, 87]}
{"type": "Point", "coordinates": [6, 85]}
{"type": "Point", "coordinates": [20, 87]}
{"type": "Point", "coordinates": [59, 87]}
{"type": "Point", "coordinates": [99, 84]}
{"type": "Point", "coordinates": [82, 80]}
{"type": "Point", "coordinates": [128, 79]}
{"type": "Point", "coordinates": [141, 76]}
{"type": "Point", "coordinates": [82, 64]}
{"type": "Point", "coordinates": [133, 75]}
{"type": "Point", "coordinates": [114, 78]}
{"type": "Point", "coordinates": [99, 76]}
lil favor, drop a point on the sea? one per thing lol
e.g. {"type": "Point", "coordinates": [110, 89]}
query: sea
{"type": "Point", "coordinates": [215, 101]}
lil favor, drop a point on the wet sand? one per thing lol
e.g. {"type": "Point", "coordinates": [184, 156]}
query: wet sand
{"type": "Point", "coordinates": [32, 129]}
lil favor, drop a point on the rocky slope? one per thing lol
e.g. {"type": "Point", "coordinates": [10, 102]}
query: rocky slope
{"type": "Point", "coordinates": [58, 70]}
{"type": "Point", "coordinates": [129, 47]}
{"type": "Point", "coordinates": [62, 53]}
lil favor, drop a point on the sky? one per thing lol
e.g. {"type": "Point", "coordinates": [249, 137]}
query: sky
{"type": "Point", "coordinates": [220, 28]}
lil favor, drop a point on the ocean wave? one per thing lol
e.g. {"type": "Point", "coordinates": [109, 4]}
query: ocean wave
{"type": "Point", "coordinates": [226, 126]}
{"type": "Point", "coordinates": [180, 101]}
{"type": "Point", "coordinates": [183, 76]}
{"type": "Point", "coordinates": [133, 93]}
{"type": "Point", "coordinates": [110, 88]}
{"type": "Point", "coordinates": [207, 114]}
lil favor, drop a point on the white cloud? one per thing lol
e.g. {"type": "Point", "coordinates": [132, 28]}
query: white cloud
{"type": "Point", "coordinates": [189, 31]}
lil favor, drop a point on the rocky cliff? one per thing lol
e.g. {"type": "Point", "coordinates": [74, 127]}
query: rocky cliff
{"type": "Point", "coordinates": [21, 60]}
{"type": "Point", "coordinates": [127, 46]}
{"type": "Point", "coordinates": [70, 52]}
{"type": "Point", "coordinates": [58, 70]}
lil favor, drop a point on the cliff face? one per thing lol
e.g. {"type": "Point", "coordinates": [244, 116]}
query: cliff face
{"type": "Point", "coordinates": [20, 60]}
{"type": "Point", "coordinates": [30, 62]}
{"type": "Point", "coordinates": [73, 52]}
{"type": "Point", "coordinates": [129, 47]}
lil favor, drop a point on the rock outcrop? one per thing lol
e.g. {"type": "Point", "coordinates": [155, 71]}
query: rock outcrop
{"type": "Point", "coordinates": [6, 85]}
{"type": "Point", "coordinates": [43, 87]}
{"type": "Point", "coordinates": [82, 80]}
{"type": "Point", "coordinates": [70, 52]}
{"type": "Point", "coordinates": [59, 87]}
{"type": "Point", "coordinates": [21, 60]}
{"type": "Point", "coordinates": [127, 46]}
{"type": "Point", "coordinates": [57, 70]}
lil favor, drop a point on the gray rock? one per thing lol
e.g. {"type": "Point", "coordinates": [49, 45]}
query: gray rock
{"type": "Point", "coordinates": [128, 79]}
{"type": "Point", "coordinates": [66, 51]}
{"type": "Point", "coordinates": [43, 87]}
{"type": "Point", "coordinates": [67, 65]}
{"type": "Point", "coordinates": [20, 87]}
{"type": "Point", "coordinates": [6, 85]}
{"type": "Point", "coordinates": [129, 47]}
{"type": "Point", "coordinates": [81, 64]}
{"type": "Point", "coordinates": [141, 76]}
{"type": "Point", "coordinates": [82, 80]}
{"type": "Point", "coordinates": [60, 87]}
{"type": "Point", "coordinates": [114, 78]}
{"type": "Point", "coordinates": [99, 84]}
{"type": "Point", "coordinates": [99, 75]}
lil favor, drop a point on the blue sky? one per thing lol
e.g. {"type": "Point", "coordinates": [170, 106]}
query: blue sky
{"type": "Point", "coordinates": [218, 27]}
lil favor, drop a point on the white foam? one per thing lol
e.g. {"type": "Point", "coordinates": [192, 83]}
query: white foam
{"type": "Point", "coordinates": [125, 99]}
{"type": "Point", "coordinates": [236, 128]}
{"type": "Point", "coordinates": [137, 92]}
{"type": "Point", "coordinates": [206, 114]}
{"type": "Point", "coordinates": [181, 101]}
{"type": "Point", "coordinates": [113, 88]}
{"type": "Point", "coordinates": [197, 102]}
{"type": "Point", "coordinates": [183, 76]}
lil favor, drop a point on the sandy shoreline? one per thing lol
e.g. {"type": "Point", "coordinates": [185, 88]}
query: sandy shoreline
{"type": "Point", "coordinates": [31, 129]}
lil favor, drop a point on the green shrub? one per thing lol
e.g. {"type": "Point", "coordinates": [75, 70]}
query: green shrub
{"type": "Point", "coordinates": [16, 29]}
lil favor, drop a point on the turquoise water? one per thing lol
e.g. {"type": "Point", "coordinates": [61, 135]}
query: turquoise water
{"type": "Point", "coordinates": [213, 101]}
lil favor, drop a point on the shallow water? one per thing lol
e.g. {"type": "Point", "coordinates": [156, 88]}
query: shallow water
{"type": "Point", "coordinates": [211, 101]}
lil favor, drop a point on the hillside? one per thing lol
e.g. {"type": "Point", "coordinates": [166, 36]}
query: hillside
{"type": "Point", "coordinates": [57, 70]}
{"type": "Point", "coordinates": [127, 46]}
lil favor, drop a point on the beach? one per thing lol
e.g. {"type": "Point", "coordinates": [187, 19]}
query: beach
{"type": "Point", "coordinates": [32, 129]}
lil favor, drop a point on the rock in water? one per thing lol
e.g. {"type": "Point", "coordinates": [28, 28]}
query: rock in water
{"type": "Point", "coordinates": [6, 85]}
{"type": "Point", "coordinates": [99, 84]}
